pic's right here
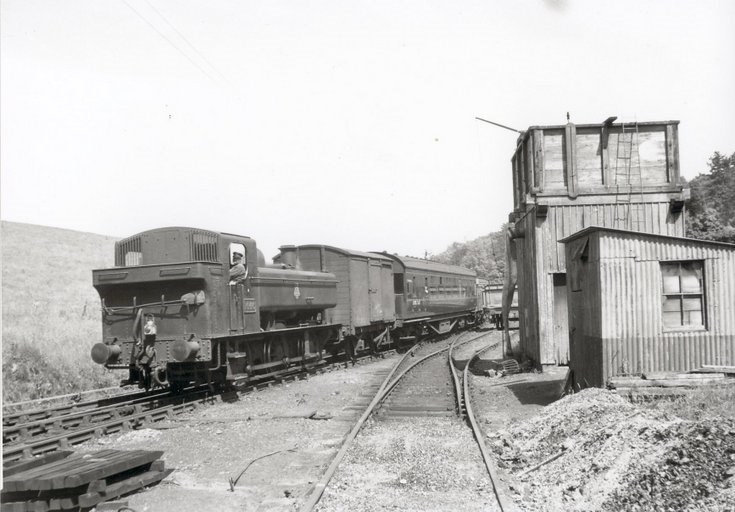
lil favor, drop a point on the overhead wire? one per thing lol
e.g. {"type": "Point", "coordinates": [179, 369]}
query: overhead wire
{"type": "Point", "coordinates": [200, 68]}
{"type": "Point", "coordinates": [184, 38]}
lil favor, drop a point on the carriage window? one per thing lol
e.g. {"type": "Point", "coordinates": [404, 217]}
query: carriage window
{"type": "Point", "coordinates": [683, 294]}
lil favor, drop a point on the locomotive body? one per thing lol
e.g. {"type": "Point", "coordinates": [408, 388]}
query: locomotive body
{"type": "Point", "coordinates": [171, 312]}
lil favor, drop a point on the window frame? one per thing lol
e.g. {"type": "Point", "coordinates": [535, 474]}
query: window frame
{"type": "Point", "coordinates": [236, 247]}
{"type": "Point", "coordinates": [681, 295]}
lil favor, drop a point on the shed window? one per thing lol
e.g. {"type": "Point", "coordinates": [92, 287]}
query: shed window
{"type": "Point", "coordinates": [683, 294]}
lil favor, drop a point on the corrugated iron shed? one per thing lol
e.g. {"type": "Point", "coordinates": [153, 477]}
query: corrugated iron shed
{"type": "Point", "coordinates": [641, 302]}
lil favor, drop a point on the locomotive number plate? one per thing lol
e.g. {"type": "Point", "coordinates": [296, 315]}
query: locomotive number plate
{"type": "Point", "coordinates": [248, 306]}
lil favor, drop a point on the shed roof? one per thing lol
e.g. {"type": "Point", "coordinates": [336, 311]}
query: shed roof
{"type": "Point", "coordinates": [640, 234]}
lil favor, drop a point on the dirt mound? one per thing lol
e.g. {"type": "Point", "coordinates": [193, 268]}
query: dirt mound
{"type": "Point", "coordinates": [596, 451]}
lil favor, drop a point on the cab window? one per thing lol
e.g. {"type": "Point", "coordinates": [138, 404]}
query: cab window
{"type": "Point", "coordinates": [237, 249]}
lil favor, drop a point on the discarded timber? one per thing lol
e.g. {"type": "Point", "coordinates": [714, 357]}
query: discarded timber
{"type": "Point", "coordinates": [79, 481]}
{"type": "Point", "coordinates": [711, 368]}
{"type": "Point", "coordinates": [670, 376]}
{"type": "Point", "coordinates": [636, 382]}
{"type": "Point", "coordinates": [11, 468]}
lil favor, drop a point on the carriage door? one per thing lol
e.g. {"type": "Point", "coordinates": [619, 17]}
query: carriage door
{"type": "Point", "coordinates": [375, 285]}
{"type": "Point", "coordinates": [236, 292]}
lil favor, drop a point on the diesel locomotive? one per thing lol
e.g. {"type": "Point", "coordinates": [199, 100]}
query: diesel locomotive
{"type": "Point", "coordinates": [177, 307]}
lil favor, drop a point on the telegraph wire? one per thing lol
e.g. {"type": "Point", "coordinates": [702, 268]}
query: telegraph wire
{"type": "Point", "coordinates": [205, 59]}
{"type": "Point", "coordinates": [170, 42]}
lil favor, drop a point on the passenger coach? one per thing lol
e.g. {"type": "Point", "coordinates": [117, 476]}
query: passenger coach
{"type": "Point", "coordinates": [432, 295]}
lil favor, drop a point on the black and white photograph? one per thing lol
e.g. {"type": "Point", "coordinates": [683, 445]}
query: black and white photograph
{"type": "Point", "coordinates": [362, 256]}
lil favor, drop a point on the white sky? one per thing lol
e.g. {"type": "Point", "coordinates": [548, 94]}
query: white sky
{"type": "Point", "coordinates": [330, 121]}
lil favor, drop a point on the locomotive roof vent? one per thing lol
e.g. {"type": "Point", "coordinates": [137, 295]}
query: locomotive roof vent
{"type": "Point", "coordinates": [128, 252]}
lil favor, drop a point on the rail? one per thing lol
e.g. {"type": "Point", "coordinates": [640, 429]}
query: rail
{"type": "Point", "coordinates": [477, 431]}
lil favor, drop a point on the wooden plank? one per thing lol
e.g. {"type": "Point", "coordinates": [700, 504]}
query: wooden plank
{"type": "Point", "coordinates": [133, 460]}
{"type": "Point", "coordinates": [672, 154]}
{"type": "Point", "coordinates": [514, 167]}
{"type": "Point", "coordinates": [715, 369]}
{"type": "Point", "coordinates": [667, 383]}
{"type": "Point", "coordinates": [605, 156]}
{"type": "Point", "coordinates": [571, 160]}
{"type": "Point", "coordinates": [57, 479]}
{"type": "Point", "coordinates": [530, 168]}
{"type": "Point", "coordinates": [20, 506]}
{"type": "Point", "coordinates": [589, 160]}
{"type": "Point", "coordinates": [58, 470]}
{"type": "Point", "coordinates": [111, 506]}
{"type": "Point", "coordinates": [674, 375]}
{"type": "Point", "coordinates": [26, 480]}
{"type": "Point", "coordinates": [118, 489]}
{"type": "Point", "coordinates": [15, 467]}
{"type": "Point", "coordinates": [522, 173]}
{"type": "Point", "coordinates": [553, 160]}
{"type": "Point", "coordinates": [68, 497]}
{"type": "Point", "coordinates": [538, 157]}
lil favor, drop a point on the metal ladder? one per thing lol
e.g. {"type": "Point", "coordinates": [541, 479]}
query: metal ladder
{"type": "Point", "coordinates": [628, 214]}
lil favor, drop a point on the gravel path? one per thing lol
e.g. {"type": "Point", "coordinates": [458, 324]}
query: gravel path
{"type": "Point", "coordinates": [413, 465]}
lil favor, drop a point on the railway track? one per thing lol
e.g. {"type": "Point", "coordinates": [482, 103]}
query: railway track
{"type": "Point", "coordinates": [40, 431]}
{"type": "Point", "coordinates": [429, 382]}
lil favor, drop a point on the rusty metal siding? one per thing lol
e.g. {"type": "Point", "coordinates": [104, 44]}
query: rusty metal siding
{"type": "Point", "coordinates": [633, 335]}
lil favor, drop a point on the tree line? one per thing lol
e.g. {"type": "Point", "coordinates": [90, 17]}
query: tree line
{"type": "Point", "coordinates": [711, 206]}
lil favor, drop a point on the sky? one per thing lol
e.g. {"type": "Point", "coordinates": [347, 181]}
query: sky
{"type": "Point", "coordinates": [345, 123]}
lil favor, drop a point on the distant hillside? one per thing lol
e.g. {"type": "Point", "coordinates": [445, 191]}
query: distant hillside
{"type": "Point", "coordinates": [485, 255]}
{"type": "Point", "coordinates": [50, 316]}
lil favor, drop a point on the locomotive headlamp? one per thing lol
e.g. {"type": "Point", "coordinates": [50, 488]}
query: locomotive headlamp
{"type": "Point", "coordinates": [150, 329]}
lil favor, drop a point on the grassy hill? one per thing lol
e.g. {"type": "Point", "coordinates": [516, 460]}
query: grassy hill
{"type": "Point", "coordinates": [51, 312]}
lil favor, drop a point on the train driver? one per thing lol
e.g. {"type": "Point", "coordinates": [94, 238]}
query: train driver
{"type": "Point", "coordinates": [238, 271]}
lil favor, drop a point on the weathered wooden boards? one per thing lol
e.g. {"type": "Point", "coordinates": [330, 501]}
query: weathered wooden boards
{"type": "Point", "coordinates": [62, 481]}
{"type": "Point", "coordinates": [665, 383]}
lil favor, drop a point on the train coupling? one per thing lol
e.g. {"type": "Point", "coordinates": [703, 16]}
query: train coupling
{"type": "Point", "coordinates": [183, 350]}
{"type": "Point", "coordinates": [103, 354]}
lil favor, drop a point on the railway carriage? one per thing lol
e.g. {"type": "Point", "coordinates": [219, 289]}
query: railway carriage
{"type": "Point", "coordinates": [172, 314]}
{"type": "Point", "coordinates": [432, 296]}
